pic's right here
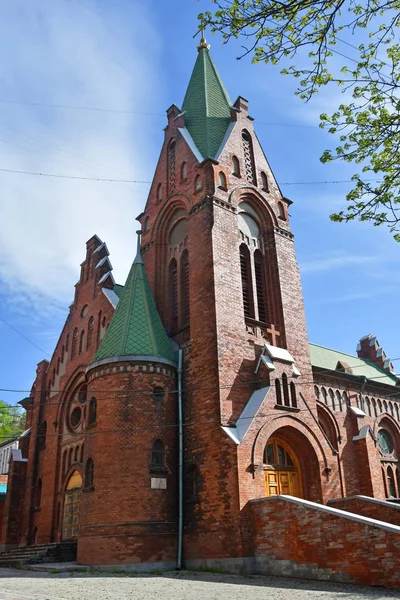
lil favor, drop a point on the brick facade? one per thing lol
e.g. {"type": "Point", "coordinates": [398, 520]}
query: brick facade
{"type": "Point", "coordinates": [198, 232]}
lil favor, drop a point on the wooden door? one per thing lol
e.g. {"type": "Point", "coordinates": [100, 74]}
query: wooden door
{"type": "Point", "coordinates": [72, 500]}
{"type": "Point", "coordinates": [282, 482]}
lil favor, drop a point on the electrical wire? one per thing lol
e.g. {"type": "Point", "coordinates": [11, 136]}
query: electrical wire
{"type": "Point", "coordinates": [23, 336]}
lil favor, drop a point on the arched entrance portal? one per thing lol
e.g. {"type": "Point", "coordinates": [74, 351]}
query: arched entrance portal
{"type": "Point", "coordinates": [282, 469]}
{"type": "Point", "coordinates": [72, 500]}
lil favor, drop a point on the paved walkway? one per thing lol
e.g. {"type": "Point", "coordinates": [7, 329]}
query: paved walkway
{"type": "Point", "coordinates": [16, 584]}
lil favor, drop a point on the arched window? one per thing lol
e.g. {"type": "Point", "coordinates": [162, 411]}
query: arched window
{"type": "Point", "coordinates": [367, 406]}
{"type": "Point", "coordinates": [379, 407]}
{"type": "Point", "coordinates": [184, 171]}
{"type": "Point", "coordinates": [90, 332]}
{"type": "Point", "coordinates": [185, 306]}
{"type": "Point", "coordinates": [278, 392]}
{"type": "Point", "coordinates": [157, 454]}
{"type": "Point", "coordinates": [82, 341]}
{"type": "Point", "coordinates": [324, 396]}
{"type": "Point", "coordinates": [264, 182]}
{"type": "Point", "coordinates": [236, 166]}
{"type": "Point", "coordinates": [331, 399]}
{"type": "Point", "coordinates": [391, 484]}
{"type": "Point", "coordinates": [171, 167]}
{"type": "Point", "coordinates": [159, 192]}
{"type": "Point", "coordinates": [82, 452]}
{"type": "Point", "coordinates": [62, 354]}
{"type": "Point", "coordinates": [192, 483]}
{"type": "Point", "coordinates": [316, 392]}
{"type": "Point", "coordinates": [146, 225]}
{"type": "Point", "coordinates": [173, 293]}
{"type": "Point", "coordinates": [70, 457]}
{"type": "Point", "coordinates": [222, 180]}
{"type": "Point", "coordinates": [247, 285]}
{"type": "Point", "coordinates": [197, 183]}
{"type": "Point", "coordinates": [260, 286]}
{"type": "Point", "coordinates": [89, 473]}
{"type": "Point", "coordinates": [64, 462]}
{"type": "Point", "coordinates": [38, 493]}
{"type": "Point", "coordinates": [391, 410]}
{"type": "Point", "coordinates": [385, 406]}
{"type": "Point", "coordinates": [249, 158]}
{"type": "Point", "coordinates": [293, 394]}
{"type": "Point", "coordinates": [92, 411]}
{"type": "Point", "coordinates": [373, 402]}
{"type": "Point", "coordinates": [76, 457]}
{"type": "Point", "coordinates": [158, 393]}
{"type": "Point", "coordinates": [74, 343]}
{"type": "Point", "coordinates": [338, 400]}
{"type": "Point", "coordinates": [58, 365]}
{"type": "Point", "coordinates": [67, 344]}
{"type": "Point", "coordinates": [345, 400]}
{"type": "Point", "coordinates": [285, 386]}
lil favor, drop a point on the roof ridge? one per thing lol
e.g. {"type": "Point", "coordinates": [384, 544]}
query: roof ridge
{"type": "Point", "coordinates": [333, 350]}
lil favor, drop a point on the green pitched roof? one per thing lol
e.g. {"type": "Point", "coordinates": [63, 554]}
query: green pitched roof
{"type": "Point", "coordinates": [207, 106]}
{"type": "Point", "coordinates": [136, 327]}
{"type": "Point", "coordinates": [325, 358]}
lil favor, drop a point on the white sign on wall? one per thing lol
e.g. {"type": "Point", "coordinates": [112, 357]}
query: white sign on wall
{"type": "Point", "coordinates": [158, 483]}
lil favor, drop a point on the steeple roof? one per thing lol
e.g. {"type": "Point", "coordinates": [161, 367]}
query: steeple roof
{"type": "Point", "coordinates": [206, 105]}
{"type": "Point", "coordinates": [136, 327]}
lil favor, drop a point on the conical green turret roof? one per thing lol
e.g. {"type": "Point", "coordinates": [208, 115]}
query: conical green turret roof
{"type": "Point", "coordinates": [207, 105]}
{"type": "Point", "coordinates": [136, 327]}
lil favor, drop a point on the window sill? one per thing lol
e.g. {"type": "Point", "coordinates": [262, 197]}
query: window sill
{"type": "Point", "coordinates": [287, 408]}
{"type": "Point", "coordinates": [223, 188]}
{"type": "Point", "coordinates": [159, 470]}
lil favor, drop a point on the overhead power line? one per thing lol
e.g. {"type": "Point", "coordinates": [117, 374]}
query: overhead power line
{"type": "Point", "coordinates": [23, 336]}
{"type": "Point", "coordinates": [106, 179]}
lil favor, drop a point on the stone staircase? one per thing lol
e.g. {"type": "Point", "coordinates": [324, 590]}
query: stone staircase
{"type": "Point", "coordinates": [41, 553]}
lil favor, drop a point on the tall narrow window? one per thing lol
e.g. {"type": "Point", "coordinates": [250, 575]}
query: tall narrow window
{"type": "Point", "coordinates": [159, 192]}
{"type": "Point", "coordinates": [173, 293]}
{"type": "Point", "coordinates": [281, 211]}
{"type": "Point", "coordinates": [324, 396]}
{"type": "Point", "coordinates": [74, 347]}
{"type": "Point", "coordinates": [264, 182]}
{"type": "Point", "coordinates": [260, 286]}
{"type": "Point", "coordinates": [247, 287]}
{"type": "Point", "coordinates": [293, 397]}
{"type": "Point", "coordinates": [316, 392]}
{"type": "Point", "coordinates": [192, 483]}
{"type": "Point", "coordinates": [171, 167]}
{"type": "Point", "coordinates": [92, 411]}
{"type": "Point", "coordinates": [98, 329]}
{"type": "Point", "coordinates": [38, 493]}
{"type": "Point", "coordinates": [278, 391]}
{"type": "Point", "coordinates": [249, 158]}
{"type": "Point", "coordinates": [157, 454]}
{"type": "Point", "coordinates": [82, 342]}
{"type": "Point", "coordinates": [184, 171]}
{"type": "Point", "coordinates": [338, 400]}
{"type": "Point", "coordinates": [90, 332]}
{"type": "Point", "coordinates": [89, 473]}
{"type": "Point", "coordinates": [185, 306]}
{"type": "Point", "coordinates": [331, 399]}
{"type": "Point", "coordinates": [285, 386]}
{"type": "Point", "coordinates": [392, 487]}
{"type": "Point", "coordinates": [42, 432]}
{"type": "Point", "coordinates": [236, 166]}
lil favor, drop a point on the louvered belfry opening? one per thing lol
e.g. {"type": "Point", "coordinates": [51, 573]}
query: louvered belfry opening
{"type": "Point", "coordinates": [260, 286]}
{"type": "Point", "coordinates": [173, 293]}
{"type": "Point", "coordinates": [247, 287]}
{"type": "Point", "coordinates": [249, 158]}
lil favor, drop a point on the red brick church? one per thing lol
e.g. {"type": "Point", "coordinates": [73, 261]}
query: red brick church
{"type": "Point", "coordinates": [184, 418]}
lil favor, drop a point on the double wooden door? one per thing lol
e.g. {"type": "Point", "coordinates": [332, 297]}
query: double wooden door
{"type": "Point", "coordinates": [282, 482]}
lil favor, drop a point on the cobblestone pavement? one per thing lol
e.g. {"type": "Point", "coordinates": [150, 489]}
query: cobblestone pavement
{"type": "Point", "coordinates": [29, 585]}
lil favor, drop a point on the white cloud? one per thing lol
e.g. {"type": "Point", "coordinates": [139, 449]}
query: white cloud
{"type": "Point", "coordinates": [335, 261]}
{"type": "Point", "coordinates": [69, 52]}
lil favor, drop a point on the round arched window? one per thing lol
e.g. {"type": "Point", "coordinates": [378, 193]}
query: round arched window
{"type": "Point", "coordinates": [385, 442]}
{"type": "Point", "coordinates": [248, 226]}
{"type": "Point", "coordinates": [158, 393]}
{"type": "Point", "coordinates": [76, 416]}
{"type": "Point", "coordinates": [178, 232]}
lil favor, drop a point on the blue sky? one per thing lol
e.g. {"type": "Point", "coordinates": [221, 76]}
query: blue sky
{"type": "Point", "coordinates": [137, 58]}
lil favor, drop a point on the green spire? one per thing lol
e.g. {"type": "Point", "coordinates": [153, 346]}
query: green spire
{"type": "Point", "coordinates": [136, 327]}
{"type": "Point", "coordinates": [206, 105]}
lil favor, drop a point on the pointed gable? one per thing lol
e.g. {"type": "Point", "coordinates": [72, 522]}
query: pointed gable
{"type": "Point", "coordinates": [207, 106]}
{"type": "Point", "coordinates": [136, 327]}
